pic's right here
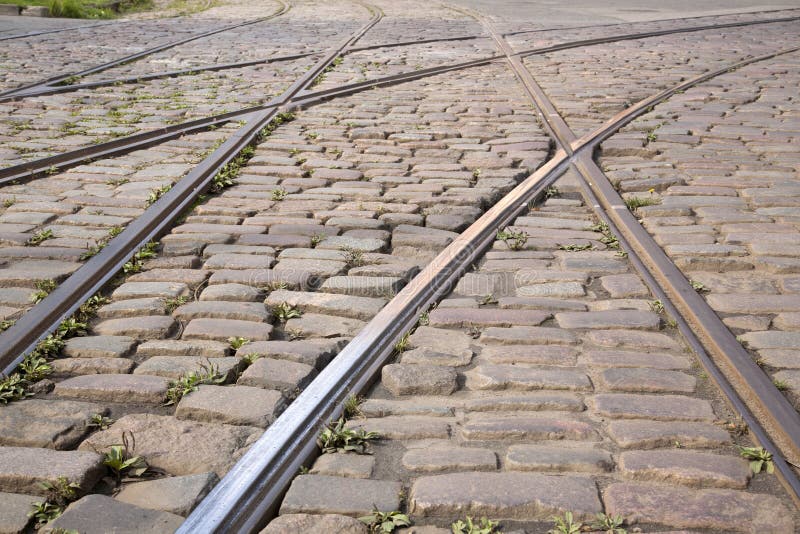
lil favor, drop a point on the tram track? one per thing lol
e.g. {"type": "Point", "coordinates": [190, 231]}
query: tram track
{"type": "Point", "coordinates": [122, 145]}
{"type": "Point", "coordinates": [249, 494]}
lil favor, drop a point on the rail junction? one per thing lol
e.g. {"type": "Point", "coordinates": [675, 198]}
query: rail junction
{"type": "Point", "coordinates": [308, 266]}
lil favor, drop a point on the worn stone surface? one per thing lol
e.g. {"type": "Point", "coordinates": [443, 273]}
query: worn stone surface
{"type": "Point", "coordinates": [53, 424]}
{"type": "Point", "coordinates": [525, 496]}
{"type": "Point", "coordinates": [179, 447]}
{"type": "Point", "coordinates": [355, 497]}
{"type": "Point", "coordinates": [284, 376]}
{"type": "Point", "coordinates": [98, 513]}
{"type": "Point", "coordinates": [23, 469]}
{"type": "Point", "coordinates": [176, 495]}
{"type": "Point", "coordinates": [14, 510]}
{"type": "Point", "coordinates": [292, 523]}
{"type": "Point", "coordinates": [561, 458]}
{"type": "Point", "coordinates": [407, 379]}
{"type": "Point", "coordinates": [444, 458]}
{"type": "Point", "coordinates": [344, 465]}
{"type": "Point", "coordinates": [239, 405]}
{"type": "Point", "coordinates": [726, 510]}
{"type": "Point", "coordinates": [115, 388]}
{"type": "Point", "coordinates": [697, 469]}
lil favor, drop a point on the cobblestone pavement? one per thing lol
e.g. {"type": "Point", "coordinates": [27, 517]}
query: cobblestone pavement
{"type": "Point", "coordinates": [722, 164]}
{"type": "Point", "coordinates": [547, 382]}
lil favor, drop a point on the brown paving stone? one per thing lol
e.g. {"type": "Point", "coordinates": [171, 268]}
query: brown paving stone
{"type": "Point", "coordinates": [114, 388]}
{"type": "Point", "coordinates": [558, 458]}
{"type": "Point", "coordinates": [526, 426]}
{"type": "Point", "coordinates": [23, 469]}
{"type": "Point", "coordinates": [178, 447]}
{"type": "Point", "coordinates": [501, 377]}
{"type": "Point", "coordinates": [524, 496]}
{"type": "Point", "coordinates": [660, 408]}
{"type": "Point", "coordinates": [319, 494]}
{"type": "Point", "coordinates": [726, 510]}
{"type": "Point", "coordinates": [643, 434]}
{"type": "Point", "coordinates": [690, 468]}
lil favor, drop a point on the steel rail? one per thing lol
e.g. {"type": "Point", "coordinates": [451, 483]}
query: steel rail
{"type": "Point", "coordinates": [44, 166]}
{"type": "Point", "coordinates": [731, 365]}
{"type": "Point", "coordinates": [648, 35]}
{"type": "Point", "coordinates": [21, 92]}
{"type": "Point", "coordinates": [507, 34]}
{"type": "Point", "coordinates": [249, 494]}
{"type": "Point", "coordinates": [58, 89]}
{"type": "Point", "coordinates": [40, 89]}
{"type": "Point", "coordinates": [45, 32]}
{"type": "Point", "coordinates": [45, 316]}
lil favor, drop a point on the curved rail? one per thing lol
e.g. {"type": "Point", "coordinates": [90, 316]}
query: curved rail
{"type": "Point", "coordinates": [250, 493]}
{"type": "Point", "coordinates": [23, 91]}
{"type": "Point", "coordinates": [731, 367]}
{"type": "Point", "coordinates": [45, 166]}
{"type": "Point", "coordinates": [45, 317]}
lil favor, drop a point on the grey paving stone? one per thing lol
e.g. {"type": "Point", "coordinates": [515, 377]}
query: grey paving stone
{"type": "Point", "coordinates": [52, 424]}
{"type": "Point", "coordinates": [99, 347]}
{"type": "Point", "coordinates": [627, 358]}
{"type": "Point", "coordinates": [529, 355]}
{"type": "Point", "coordinates": [502, 377]}
{"type": "Point", "coordinates": [96, 514]}
{"type": "Point", "coordinates": [282, 375]}
{"type": "Point", "coordinates": [530, 401]}
{"type": "Point", "coordinates": [176, 366]}
{"type": "Point", "coordinates": [466, 317]}
{"type": "Point", "coordinates": [114, 388]}
{"type": "Point", "coordinates": [314, 352]}
{"type": "Point", "coordinates": [174, 347]}
{"type": "Point", "coordinates": [179, 447]}
{"type": "Point", "coordinates": [524, 496]}
{"type": "Point", "coordinates": [424, 356]}
{"type": "Point", "coordinates": [408, 379]}
{"type": "Point", "coordinates": [292, 523]}
{"type": "Point", "coordinates": [232, 292]}
{"type": "Point", "coordinates": [526, 426]}
{"type": "Point", "coordinates": [405, 427]}
{"type": "Point", "coordinates": [14, 510]}
{"type": "Point", "coordinates": [318, 325]}
{"type": "Point", "coordinates": [528, 335]}
{"type": "Point", "coordinates": [646, 380]}
{"type": "Point", "coordinates": [363, 308]}
{"type": "Point", "coordinates": [176, 495]}
{"type": "Point", "coordinates": [22, 469]}
{"type": "Point", "coordinates": [442, 341]}
{"type": "Point", "coordinates": [364, 286]}
{"type": "Point", "coordinates": [224, 329]}
{"type": "Point", "coordinates": [631, 338]}
{"type": "Point", "coordinates": [726, 510]}
{"type": "Point", "coordinates": [91, 366]}
{"type": "Point", "coordinates": [690, 468]}
{"type": "Point", "coordinates": [146, 327]}
{"type": "Point", "coordinates": [136, 290]}
{"type": "Point", "coordinates": [133, 308]}
{"type": "Point", "coordinates": [320, 494]}
{"type": "Point", "coordinates": [235, 405]}
{"type": "Point", "coordinates": [633, 319]}
{"type": "Point", "coordinates": [344, 465]}
{"type": "Point", "coordinates": [243, 311]}
{"type": "Point", "coordinates": [563, 457]}
{"type": "Point", "coordinates": [449, 458]}
{"type": "Point", "coordinates": [660, 408]}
